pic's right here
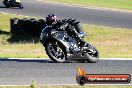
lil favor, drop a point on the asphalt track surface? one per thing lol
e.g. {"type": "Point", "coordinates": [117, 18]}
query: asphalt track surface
{"type": "Point", "coordinates": [85, 15]}
{"type": "Point", "coordinates": [22, 72]}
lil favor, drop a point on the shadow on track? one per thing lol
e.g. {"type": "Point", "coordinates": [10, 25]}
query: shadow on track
{"type": "Point", "coordinates": [28, 60]}
{"type": "Point", "coordinates": [9, 7]}
{"type": "Point", "coordinates": [33, 60]}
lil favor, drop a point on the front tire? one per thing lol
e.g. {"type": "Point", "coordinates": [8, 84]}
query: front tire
{"type": "Point", "coordinates": [6, 5]}
{"type": "Point", "coordinates": [91, 59]}
{"type": "Point", "coordinates": [21, 6]}
{"type": "Point", "coordinates": [55, 51]}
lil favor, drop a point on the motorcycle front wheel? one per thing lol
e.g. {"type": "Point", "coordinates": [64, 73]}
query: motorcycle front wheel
{"type": "Point", "coordinates": [55, 51]}
{"type": "Point", "coordinates": [21, 6]}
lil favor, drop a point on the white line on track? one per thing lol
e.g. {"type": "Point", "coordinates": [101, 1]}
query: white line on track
{"type": "Point", "coordinates": [75, 85]}
{"type": "Point", "coordinates": [49, 58]}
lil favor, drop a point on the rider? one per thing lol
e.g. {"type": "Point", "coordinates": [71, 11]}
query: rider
{"type": "Point", "coordinates": [72, 27]}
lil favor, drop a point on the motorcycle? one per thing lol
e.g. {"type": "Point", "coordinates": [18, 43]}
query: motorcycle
{"type": "Point", "coordinates": [9, 3]}
{"type": "Point", "coordinates": [61, 47]}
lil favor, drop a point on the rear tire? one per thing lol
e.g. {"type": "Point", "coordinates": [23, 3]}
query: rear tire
{"type": "Point", "coordinates": [7, 4]}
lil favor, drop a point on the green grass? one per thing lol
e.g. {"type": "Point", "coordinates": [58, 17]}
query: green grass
{"type": "Point", "coordinates": [111, 42]}
{"type": "Point", "coordinates": [14, 87]}
{"type": "Point", "coordinates": [22, 50]}
{"type": "Point", "coordinates": [121, 4]}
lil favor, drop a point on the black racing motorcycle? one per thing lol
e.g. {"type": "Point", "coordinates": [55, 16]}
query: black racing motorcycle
{"type": "Point", "coordinates": [60, 47]}
{"type": "Point", "coordinates": [9, 4]}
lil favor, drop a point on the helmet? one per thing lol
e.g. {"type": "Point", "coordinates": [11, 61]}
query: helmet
{"type": "Point", "coordinates": [50, 19]}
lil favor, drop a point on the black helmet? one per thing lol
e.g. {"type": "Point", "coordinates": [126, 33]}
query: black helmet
{"type": "Point", "coordinates": [51, 18]}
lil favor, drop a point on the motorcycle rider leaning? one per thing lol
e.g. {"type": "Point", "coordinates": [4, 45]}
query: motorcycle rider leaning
{"type": "Point", "coordinates": [72, 27]}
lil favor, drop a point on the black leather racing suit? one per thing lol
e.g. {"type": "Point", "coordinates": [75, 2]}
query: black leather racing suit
{"type": "Point", "coordinates": [72, 27]}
